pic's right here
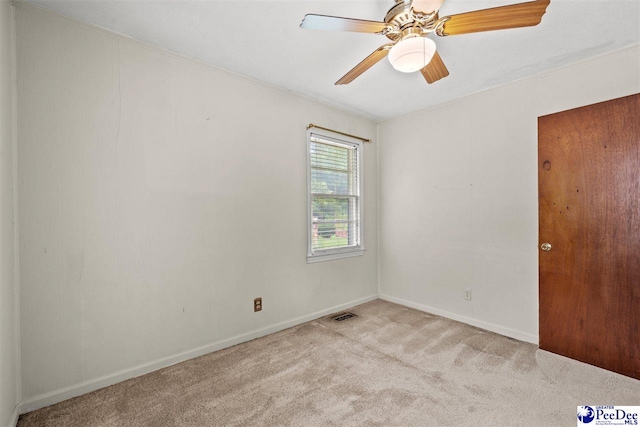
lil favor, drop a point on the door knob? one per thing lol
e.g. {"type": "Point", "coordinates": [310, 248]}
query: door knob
{"type": "Point", "coordinates": [545, 247]}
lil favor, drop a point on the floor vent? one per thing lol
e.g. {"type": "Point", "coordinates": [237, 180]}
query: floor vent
{"type": "Point", "coordinates": [343, 316]}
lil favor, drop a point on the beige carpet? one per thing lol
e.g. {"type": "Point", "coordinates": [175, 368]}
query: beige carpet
{"type": "Point", "coordinates": [390, 366]}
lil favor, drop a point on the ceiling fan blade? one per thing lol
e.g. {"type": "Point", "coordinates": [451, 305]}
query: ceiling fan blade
{"type": "Point", "coordinates": [426, 7]}
{"type": "Point", "coordinates": [325, 22]}
{"type": "Point", "coordinates": [498, 18]}
{"type": "Point", "coordinates": [435, 70]}
{"type": "Point", "coordinates": [367, 63]}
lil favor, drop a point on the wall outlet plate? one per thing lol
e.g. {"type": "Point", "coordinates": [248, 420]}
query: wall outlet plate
{"type": "Point", "coordinates": [257, 304]}
{"type": "Point", "coordinates": [467, 294]}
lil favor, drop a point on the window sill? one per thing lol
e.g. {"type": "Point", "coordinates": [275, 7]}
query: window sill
{"type": "Point", "coordinates": [334, 255]}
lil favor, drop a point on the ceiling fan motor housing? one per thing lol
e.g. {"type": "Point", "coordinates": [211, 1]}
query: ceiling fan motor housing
{"type": "Point", "coordinates": [409, 23]}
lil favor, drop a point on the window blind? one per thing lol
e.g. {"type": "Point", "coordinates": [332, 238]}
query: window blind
{"type": "Point", "coordinates": [335, 194]}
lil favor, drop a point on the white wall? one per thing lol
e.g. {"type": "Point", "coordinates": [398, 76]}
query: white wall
{"type": "Point", "coordinates": [9, 365]}
{"type": "Point", "coordinates": [459, 196]}
{"type": "Point", "coordinates": [157, 198]}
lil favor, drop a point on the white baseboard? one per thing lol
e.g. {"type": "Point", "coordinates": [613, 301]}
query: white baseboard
{"type": "Point", "coordinates": [512, 333]}
{"type": "Point", "coordinates": [13, 421]}
{"type": "Point", "coordinates": [50, 398]}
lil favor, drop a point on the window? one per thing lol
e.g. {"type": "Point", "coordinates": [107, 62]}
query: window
{"type": "Point", "coordinates": [334, 181]}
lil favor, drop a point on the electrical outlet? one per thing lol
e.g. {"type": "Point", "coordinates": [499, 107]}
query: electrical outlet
{"type": "Point", "coordinates": [467, 294]}
{"type": "Point", "coordinates": [257, 304]}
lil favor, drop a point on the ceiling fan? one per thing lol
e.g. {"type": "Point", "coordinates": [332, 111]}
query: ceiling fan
{"type": "Point", "coordinates": [408, 23]}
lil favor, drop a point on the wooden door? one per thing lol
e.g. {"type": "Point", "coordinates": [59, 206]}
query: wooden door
{"type": "Point", "coordinates": [589, 212]}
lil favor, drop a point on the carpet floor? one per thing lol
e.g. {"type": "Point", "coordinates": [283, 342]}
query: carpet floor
{"type": "Point", "coordinates": [390, 366]}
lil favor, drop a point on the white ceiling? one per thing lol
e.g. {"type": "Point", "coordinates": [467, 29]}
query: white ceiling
{"type": "Point", "coordinates": [261, 39]}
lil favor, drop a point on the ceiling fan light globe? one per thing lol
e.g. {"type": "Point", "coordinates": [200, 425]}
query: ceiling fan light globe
{"type": "Point", "coordinates": [412, 54]}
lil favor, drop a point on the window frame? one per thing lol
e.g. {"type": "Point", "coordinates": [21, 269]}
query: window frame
{"type": "Point", "coordinates": [319, 255]}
